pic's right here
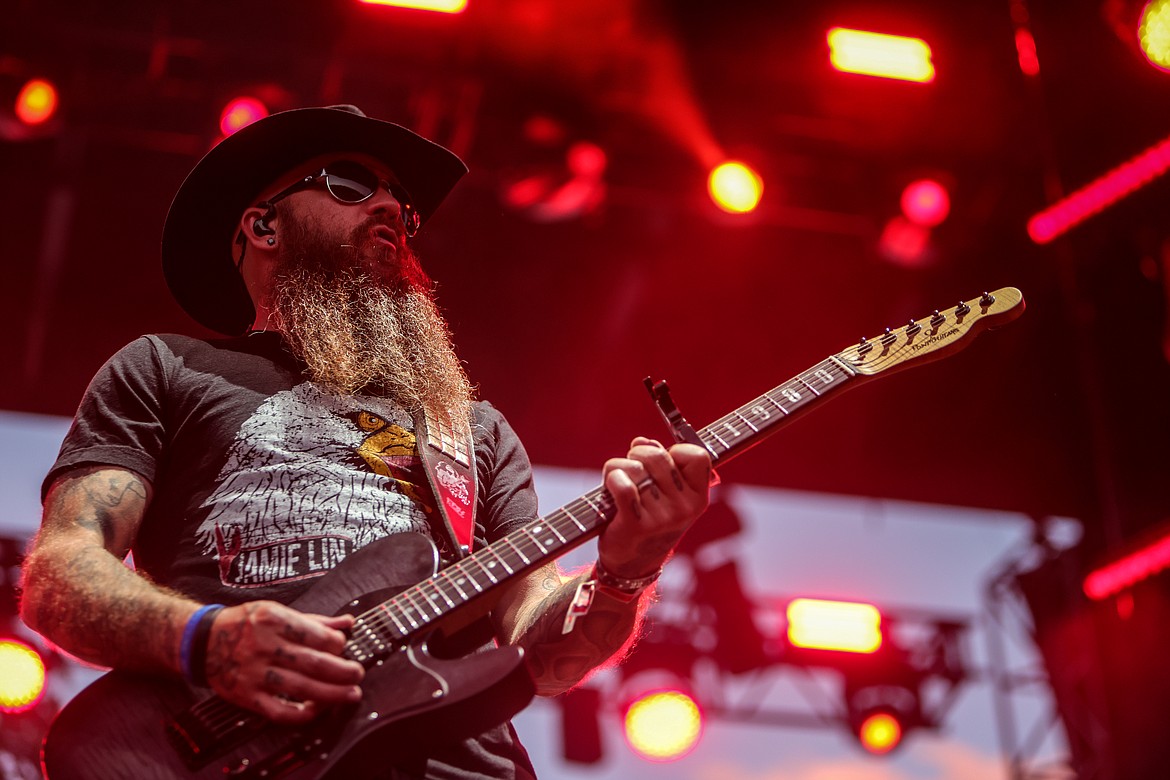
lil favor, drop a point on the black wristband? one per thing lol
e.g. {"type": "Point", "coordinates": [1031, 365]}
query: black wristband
{"type": "Point", "coordinates": [199, 642]}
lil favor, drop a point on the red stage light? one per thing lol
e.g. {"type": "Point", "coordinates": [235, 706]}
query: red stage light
{"type": "Point", "coordinates": [241, 112]}
{"type": "Point", "coordinates": [880, 732]}
{"type": "Point", "coordinates": [442, 6]}
{"type": "Point", "coordinates": [22, 676]}
{"type": "Point", "coordinates": [1026, 52]}
{"type": "Point", "coordinates": [663, 725]}
{"type": "Point", "coordinates": [1129, 570]}
{"type": "Point", "coordinates": [1101, 193]}
{"type": "Point", "coordinates": [834, 625]}
{"type": "Point", "coordinates": [926, 202]}
{"type": "Point", "coordinates": [734, 187]}
{"type": "Point", "coordinates": [1154, 33]}
{"type": "Point", "coordinates": [36, 102]}
{"type": "Point", "coordinates": [877, 54]}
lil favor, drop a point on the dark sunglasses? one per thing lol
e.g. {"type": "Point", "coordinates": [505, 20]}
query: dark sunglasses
{"type": "Point", "coordinates": [351, 182]}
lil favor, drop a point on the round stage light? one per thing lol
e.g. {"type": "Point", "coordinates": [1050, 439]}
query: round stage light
{"type": "Point", "coordinates": [880, 732]}
{"type": "Point", "coordinates": [1154, 33]}
{"type": "Point", "coordinates": [241, 112]}
{"type": "Point", "coordinates": [22, 676]}
{"type": "Point", "coordinates": [36, 102]}
{"type": "Point", "coordinates": [735, 187]}
{"type": "Point", "coordinates": [663, 725]}
{"type": "Point", "coordinates": [926, 202]}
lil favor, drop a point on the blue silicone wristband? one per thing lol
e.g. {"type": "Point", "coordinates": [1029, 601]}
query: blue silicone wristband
{"type": "Point", "coordinates": [188, 639]}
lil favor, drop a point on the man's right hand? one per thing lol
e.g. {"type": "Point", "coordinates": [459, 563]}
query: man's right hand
{"type": "Point", "coordinates": [281, 663]}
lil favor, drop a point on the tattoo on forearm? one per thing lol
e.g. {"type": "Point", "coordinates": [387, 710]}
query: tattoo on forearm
{"type": "Point", "coordinates": [559, 661]}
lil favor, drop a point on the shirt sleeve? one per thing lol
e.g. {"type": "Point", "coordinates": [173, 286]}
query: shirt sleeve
{"type": "Point", "coordinates": [120, 419]}
{"type": "Point", "coordinates": [506, 493]}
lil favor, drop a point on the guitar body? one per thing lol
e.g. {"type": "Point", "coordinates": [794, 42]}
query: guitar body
{"type": "Point", "coordinates": [123, 724]}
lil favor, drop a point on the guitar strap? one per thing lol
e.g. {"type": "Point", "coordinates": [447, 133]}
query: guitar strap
{"type": "Point", "coordinates": [448, 458]}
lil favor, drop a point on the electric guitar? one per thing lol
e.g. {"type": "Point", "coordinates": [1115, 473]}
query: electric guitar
{"type": "Point", "coordinates": [126, 725]}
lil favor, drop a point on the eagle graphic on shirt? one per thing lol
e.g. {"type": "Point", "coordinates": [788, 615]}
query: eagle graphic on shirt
{"type": "Point", "coordinates": [310, 477]}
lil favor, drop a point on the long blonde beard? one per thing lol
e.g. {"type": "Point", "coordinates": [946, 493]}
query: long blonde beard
{"type": "Point", "coordinates": [357, 334]}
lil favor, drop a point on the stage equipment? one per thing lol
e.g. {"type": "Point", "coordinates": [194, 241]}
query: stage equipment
{"type": "Point", "coordinates": [926, 202]}
{"type": "Point", "coordinates": [441, 6]}
{"type": "Point", "coordinates": [240, 112]}
{"type": "Point", "coordinates": [1140, 560]}
{"type": "Point", "coordinates": [877, 54]}
{"type": "Point", "coordinates": [662, 722]}
{"type": "Point", "coordinates": [1154, 33]}
{"type": "Point", "coordinates": [1100, 193]}
{"type": "Point", "coordinates": [22, 676]}
{"type": "Point", "coordinates": [846, 626]}
{"type": "Point", "coordinates": [36, 102]}
{"type": "Point", "coordinates": [734, 187]}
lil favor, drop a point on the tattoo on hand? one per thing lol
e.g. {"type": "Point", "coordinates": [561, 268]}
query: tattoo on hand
{"type": "Point", "coordinates": [678, 483]}
{"type": "Point", "coordinates": [293, 634]}
{"type": "Point", "coordinates": [273, 680]}
{"type": "Point", "coordinates": [280, 654]}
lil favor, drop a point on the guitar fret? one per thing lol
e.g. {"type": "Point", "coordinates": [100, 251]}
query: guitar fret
{"type": "Point", "coordinates": [427, 598]}
{"type": "Point", "coordinates": [532, 535]}
{"type": "Point", "coordinates": [453, 583]}
{"type": "Point", "coordinates": [573, 517]}
{"type": "Point", "coordinates": [719, 439]}
{"type": "Point", "coordinates": [810, 387]}
{"type": "Point", "coordinates": [500, 558]}
{"type": "Point", "coordinates": [519, 552]}
{"type": "Point", "coordinates": [393, 617]}
{"type": "Point", "coordinates": [483, 569]}
{"type": "Point", "coordinates": [747, 422]}
{"type": "Point", "coordinates": [775, 403]}
{"type": "Point", "coordinates": [435, 585]}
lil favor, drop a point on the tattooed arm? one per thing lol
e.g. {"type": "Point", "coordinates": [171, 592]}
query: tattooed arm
{"type": "Point", "coordinates": [78, 593]}
{"type": "Point", "coordinates": [635, 544]}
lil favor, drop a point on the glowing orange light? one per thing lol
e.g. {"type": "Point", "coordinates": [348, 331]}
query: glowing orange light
{"type": "Point", "coordinates": [926, 202]}
{"type": "Point", "coordinates": [442, 6]}
{"type": "Point", "coordinates": [36, 102]}
{"type": "Point", "coordinates": [735, 187]}
{"type": "Point", "coordinates": [1100, 193]}
{"type": "Point", "coordinates": [241, 112]}
{"type": "Point", "coordinates": [663, 725]}
{"type": "Point", "coordinates": [880, 733]}
{"type": "Point", "coordinates": [22, 676]}
{"type": "Point", "coordinates": [877, 54]}
{"type": "Point", "coordinates": [1154, 33]}
{"type": "Point", "coordinates": [834, 625]}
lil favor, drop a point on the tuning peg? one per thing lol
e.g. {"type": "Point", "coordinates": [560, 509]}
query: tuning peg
{"type": "Point", "coordinates": [888, 337]}
{"type": "Point", "coordinates": [913, 328]}
{"type": "Point", "coordinates": [962, 309]}
{"type": "Point", "coordinates": [864, 347]}
{"type": "Point", "coordinates": [986, 300]}
{"type": "Point", "coordinates": [936, 320]}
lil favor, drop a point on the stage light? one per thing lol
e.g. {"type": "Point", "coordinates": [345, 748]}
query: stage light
{"type": "Point", "coordinates": [663, 724]}
{"type": "Point", "coordinates": [735, 187]}
{"type": "Point", "coordinates": [1154, 33]}
{"type": "Point", "coordinates": [1147, 560]}
{"type": "Point", "coordinates": [926, 202]}
{"type": "Point", "coordinates": [442, 6]}
{"type": "Point", "coordinates": [834, 625]}
{"type": "Point", "coordinates": [240, 112]}
{"type": "Point", "coordinates": [880, 732]}
{"type": "Point", "coordinates": [877, 54]}
{"type": "Point", "coordinates": [1101, 193]}
{"type": "Point", "coordinates": [22, 676]}
{"type": "Point", "coordinates": [36, 102]}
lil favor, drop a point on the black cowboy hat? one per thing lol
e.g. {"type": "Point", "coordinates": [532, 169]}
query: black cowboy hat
{"type": "Point", "coordinates": [196, 242]}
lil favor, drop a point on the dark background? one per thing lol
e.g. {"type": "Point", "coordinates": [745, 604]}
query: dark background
{"type": "Point", "coordinates": [1062, 413]}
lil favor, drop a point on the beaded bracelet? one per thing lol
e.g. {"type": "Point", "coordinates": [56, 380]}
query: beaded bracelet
{"type": "Point", "coordinates": [193, 649]}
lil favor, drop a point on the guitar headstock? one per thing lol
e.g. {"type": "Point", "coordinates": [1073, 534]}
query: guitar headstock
{"type": "Point", "coordinates": [940, 334]}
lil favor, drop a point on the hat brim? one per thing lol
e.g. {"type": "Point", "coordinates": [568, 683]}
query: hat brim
{"type": "Point", "coordinates": [197, 235]}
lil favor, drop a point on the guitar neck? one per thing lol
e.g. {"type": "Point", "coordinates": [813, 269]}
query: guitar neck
{"type": "Point", "coordinates": [418, 609]}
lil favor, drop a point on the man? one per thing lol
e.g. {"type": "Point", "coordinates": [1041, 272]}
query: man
{"type": "Point", "coordinates": [239, 471]}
